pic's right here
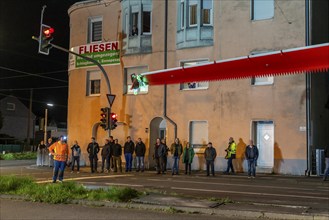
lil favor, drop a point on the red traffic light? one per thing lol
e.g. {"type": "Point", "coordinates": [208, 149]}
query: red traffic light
{"type": "Point", "coordinates": [48, 31]}
{"type": "Point", "coordinates": [114, 116]}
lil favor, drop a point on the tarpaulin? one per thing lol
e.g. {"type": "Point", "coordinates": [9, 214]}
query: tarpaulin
{"type": "Point", "coordinates": [291, 61]}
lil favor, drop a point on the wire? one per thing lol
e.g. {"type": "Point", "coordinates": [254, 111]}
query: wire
{"type": "Point", "coordinates": [31, 74]}
{"type": "Point", "coordinates": [27, 99]}
{"type": "Point", "coordinates": [38, 88]}
{"type": "Point", "coordinates": [45, 73]}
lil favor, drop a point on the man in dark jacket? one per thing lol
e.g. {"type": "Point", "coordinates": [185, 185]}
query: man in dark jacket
{"type": "Point", "coordinates": [111, 143]}
{"type": "Point", "coordinates": [117, 152]}
{"type": "Point", "coordinates": [76, 153]}
{"type": "Point", "coordinates": [140, 154]}
{"type": "Point", "coordinates": [106, 156]}
{"type": "Point", "coordinates": [129, 148]}
{"type": "Point", "coordinates": [251, 154]}
{"type": "Point", "coordinates": [176, 150]}
{"type": "Point", "coordinates": [210, 155]}
{"type": "Point", "coordinates": [93, 149]}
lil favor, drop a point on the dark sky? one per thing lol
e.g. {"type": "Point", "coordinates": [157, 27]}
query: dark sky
{"type": "Point", "coordinates": [19, 57]}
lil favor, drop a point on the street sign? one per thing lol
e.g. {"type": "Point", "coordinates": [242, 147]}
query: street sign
{"type": "Point", "coordinates": [110, 98]}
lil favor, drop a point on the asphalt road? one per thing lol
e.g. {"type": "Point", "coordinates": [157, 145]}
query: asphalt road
{"type": "Point", "coordinates": [286, 193]}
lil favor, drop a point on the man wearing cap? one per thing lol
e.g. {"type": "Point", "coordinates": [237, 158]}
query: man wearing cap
{"type": "Point", "coordinates": [210, 155]}
{"type": "Point", "coordinates": [60, 151]}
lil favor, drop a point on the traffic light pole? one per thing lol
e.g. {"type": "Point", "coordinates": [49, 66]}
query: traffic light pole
{"type": "Point", "coordinates": [99, 66]}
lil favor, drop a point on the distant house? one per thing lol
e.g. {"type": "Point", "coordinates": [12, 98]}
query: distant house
{"type": "Point", "coordinates": [15, 118]}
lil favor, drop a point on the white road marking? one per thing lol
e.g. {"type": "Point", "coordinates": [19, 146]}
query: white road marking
{"type": "Point", "coordinates": [86, 178]}
{"type": "Point", "coordinates": [244, 185]}
{"type": "Point", "coordinates": [123, 184]}
{"type": "Point", "coordinates": [250, 193]}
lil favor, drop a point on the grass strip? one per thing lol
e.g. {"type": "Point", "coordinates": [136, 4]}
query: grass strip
{"type": "Point", "coordinates": [62, 192]}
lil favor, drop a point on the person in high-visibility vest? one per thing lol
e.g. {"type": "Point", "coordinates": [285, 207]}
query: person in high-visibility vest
{"type": "Point", "coordinates": [231, 154]}
{"type": "Point", "coordinates": [60, 151]}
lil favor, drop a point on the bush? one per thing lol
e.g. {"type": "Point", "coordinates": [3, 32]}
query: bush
{"type": "Point", "coordinates": [19, 156]}
{"type": "Point", "coordinates": [10, 184]}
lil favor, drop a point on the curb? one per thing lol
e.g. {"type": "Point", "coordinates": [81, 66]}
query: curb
{"type": "Point", "coordinates": [190, 210]}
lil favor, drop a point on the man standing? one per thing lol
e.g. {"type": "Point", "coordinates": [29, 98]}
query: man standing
{"type": "Point", "coordinates": [251, 154]}
{"type": "Point", "coordinates": [106, 156]}
{"type": "Point", "coordinates": [129, 148]}
{"type": "Point", "coordinates": [111, 142]}
{"type": "Point", "coordinates": [117, 152]}
{"type": "Point", "coordinates": [210, 155]}
{"type": "Point", "coordinates": [76, 153]}
{"type": "Point", "coordinates": [93, 149]}
{"type": "Point", "coordinates": [231, 154]}
{"type": "Point", "coordinates": [51, 157]}
{"type": "Point", "coordinates": [60, 151]}
{"type": "Point", "coordinates": [176, 150]}
{"type": "Point", "coordinates": [140, 153]}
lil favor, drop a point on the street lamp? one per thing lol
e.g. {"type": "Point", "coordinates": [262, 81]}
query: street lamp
{"type": "Point", "coordinates": [46, 121]}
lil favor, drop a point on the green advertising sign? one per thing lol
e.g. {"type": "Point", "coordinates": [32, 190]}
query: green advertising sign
{"type": "Point", "coordinates": [109, 57]}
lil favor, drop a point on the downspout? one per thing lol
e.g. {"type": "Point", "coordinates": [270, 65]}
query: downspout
{"type": "Point", "coordinates": [165, 67]}
{"type": "Point", "coordinates": [308, 90]}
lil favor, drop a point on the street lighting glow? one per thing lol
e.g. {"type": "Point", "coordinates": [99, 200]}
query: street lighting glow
{"type": "Point", "coordinates": [50, 104]}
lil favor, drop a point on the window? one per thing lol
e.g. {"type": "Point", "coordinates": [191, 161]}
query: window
{"type": "Point", "coordinates": [193, 85]}
{"type": "Point", "coordinates": [134, 30]}
{"type": "Point", "coordinates": [262, 9]}
{"type": "Point", "coordinates": [146, 22]}
{"type": "Point", "coordinates": [257, 81]}
{"type": "Point", "coordinates": [95, 29]}
{"type": "Point", "coordinates": [93, 83]}
{"type": "Point", "coordinates": [11, 106]}
{"type": "Point", "coordinates": [206, 12]}
{"type": "Point", "coordinates": [193, 15]}
{"type": "Point", "coordinates": [128, 83]}
{"type": "Point", "coordinates": [198, 134]}
{"type": "Point", "coordinates": [182, 14]}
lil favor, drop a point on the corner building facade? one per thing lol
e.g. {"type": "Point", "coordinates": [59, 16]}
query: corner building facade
{"type": "Point", "coordinates": [269, 110]}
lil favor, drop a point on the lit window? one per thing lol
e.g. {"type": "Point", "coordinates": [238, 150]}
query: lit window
{"type": "Point", "coordinates": [262, 9]}
{"type": "Point", "coordinates": [11, 106]}
{"type": "Point", "coordinates": [95, 29]}
{"type": "Point", "coordinates": [193, 15]}
{"type": "Point", "coordinates": [93, 83]}
{"type": "Point", "coordinates": [206, 12]}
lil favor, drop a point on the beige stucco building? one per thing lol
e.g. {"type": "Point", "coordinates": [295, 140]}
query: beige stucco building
{"type": "Point", "coordinates": [271, 110]}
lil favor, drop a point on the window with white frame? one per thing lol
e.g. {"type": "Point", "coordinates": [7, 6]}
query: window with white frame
{"type": "Point", "coordinates": [198, 134]}
{"type": "Point", "coordinates": [269, 80]}
{"type": "Point", "coordinates": [146, 22]}
{"type": "Point", "coordinates": [193, 85]}
{"type": "Point", "coordinates": [193, 12]}
{"type": "Point", "coordinates": [93, 83]}
{"type": "Point", "coordinates": [182, 14]}
{"type": "Point", "coordinates": [206, 12]}
{"type": "Point", "coordinates": [128, 79]}
{"type": "Point", "coordinates": [10, 106]}
{"type": "Point", "coordinates": [262, 9]}
{"type": "Point", "coordinates": [95, 28]}
{"type": "Point", "coordinates": [134, 24]}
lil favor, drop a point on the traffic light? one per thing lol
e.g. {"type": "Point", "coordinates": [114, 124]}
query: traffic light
{"type": "Point", "coordinates": [104, 118]}
{"type": "Point", "coordinates": [45, 38]}
{"type": "Point", "coordinates": [114, 120]}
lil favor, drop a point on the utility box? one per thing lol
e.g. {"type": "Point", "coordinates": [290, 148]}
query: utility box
{"type": "Point", "coordinates": [320, 162]}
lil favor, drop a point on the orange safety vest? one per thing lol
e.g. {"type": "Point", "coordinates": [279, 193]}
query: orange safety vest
{"type": "Point", "coordinates": [59, 150]}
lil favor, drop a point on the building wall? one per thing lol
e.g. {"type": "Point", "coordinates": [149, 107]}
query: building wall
{"type": "Point", "coordinates": [229, 107]}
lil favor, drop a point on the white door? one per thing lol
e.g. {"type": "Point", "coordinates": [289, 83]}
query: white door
{"type": "Point", "coordinates": [265, 143]}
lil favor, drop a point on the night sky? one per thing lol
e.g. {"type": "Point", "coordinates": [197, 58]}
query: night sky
{"type": "Point", "coordinates": [19, 57]}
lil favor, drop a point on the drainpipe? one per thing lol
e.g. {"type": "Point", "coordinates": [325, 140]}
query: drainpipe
{"type": "Point", "coordinates": [165, 67]}
{"type": "Point", "coordinates": [308, 90]}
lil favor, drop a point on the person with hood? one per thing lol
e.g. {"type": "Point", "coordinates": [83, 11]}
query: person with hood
{"type": "Point", "coordinates": [76, 153]}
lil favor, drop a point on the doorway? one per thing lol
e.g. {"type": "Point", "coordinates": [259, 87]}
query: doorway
{"type": "Point", "coordinates": [157, 130]}
{"type": "Point", "coordinates": [263, 135]}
